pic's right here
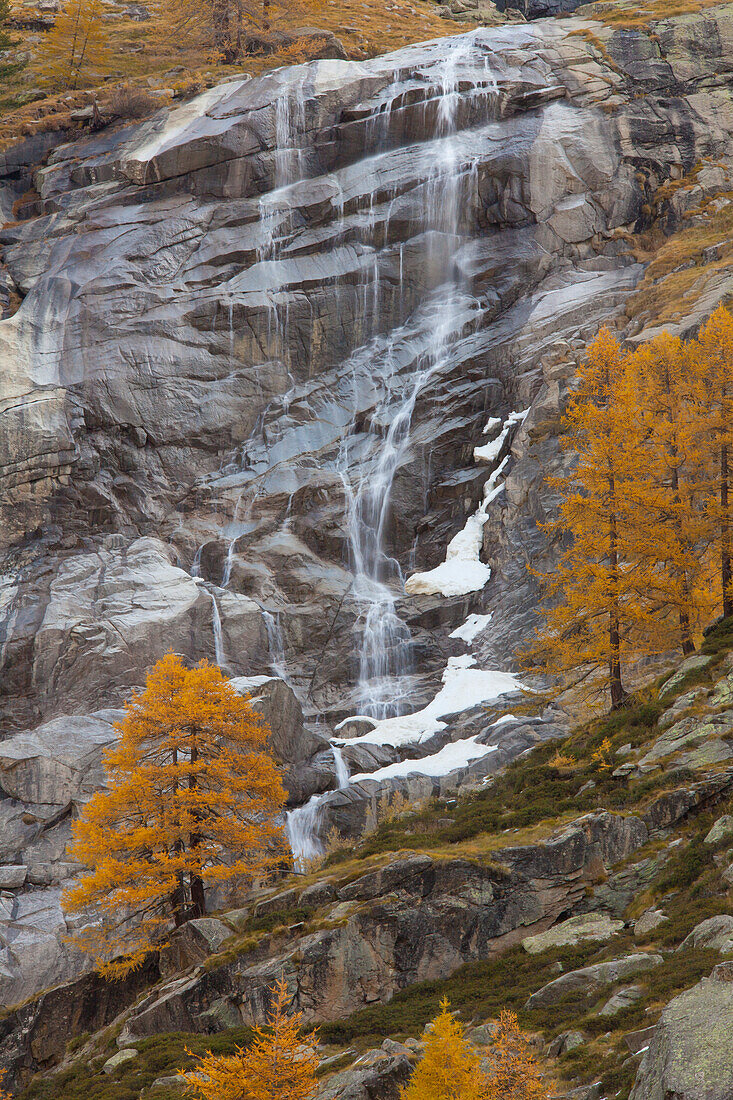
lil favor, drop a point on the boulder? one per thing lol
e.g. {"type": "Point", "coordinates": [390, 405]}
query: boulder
{"type": "Point", "coordinates": [715, 933]}
{"type": "Point", "coordinates": [564, 1042]}
{"type": "Point", "coordinates": [621, 999]}
{"type": "Point", "coordinates": [278, 704]}
{"type": "Point", "coordinates": [193, 942]}
{"type": "Point", "coordinates": [287, 899]}
{"type": "Point", "coordinates": [356, 726]}
{"type": "Point", "coordinates": [121, 1058]}
{"type": "Point", "coordinates": [722, 829]}
{"type": "Point", "coordinates": [587, 926]}
{"type": "Point", "coordinates": [12, 876]}
{"type": "Point", "coordinates": [690, 1056]}
{"type": "Point", "coordinates": [647, 922]}
{"type": "Point", "coordinates": [695, 663]}
{"type": "Point", "coordinates": [378, 1076]}
{"type": "Point", "coordinates": [590, 980]}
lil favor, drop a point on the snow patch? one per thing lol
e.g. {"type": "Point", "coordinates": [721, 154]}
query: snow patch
{"type": "Point", "coordinates": [492, 424]}
{"type": "Point", "coordinates": [462, 571]}
{"type": "Point", "coordinates": [456, 755]}
{"type": "Point", "coordinates": [463, 687]}
{"type": "Point", "coordinates": [473, 625]}
{"type": "Point", "coordinates": [491, 451]}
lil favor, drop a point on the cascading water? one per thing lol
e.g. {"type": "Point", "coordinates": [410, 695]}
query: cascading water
{"type": "Point", "coordinates": [218, 633]}
{"type": "Point", "coordinates": [301, 825]}
{"type": "Point", "coordinates": [385, 651]}
{"type": "Point", "coordinates": [386, 376]}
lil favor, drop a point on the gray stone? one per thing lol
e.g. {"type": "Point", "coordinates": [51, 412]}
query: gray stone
{"type": "Point", "coordinates": [681, 704]}
{"type": "Point", "coordinates": [121, 1058]}
{"type": "Point", "coordinates": [288, 899]}
{"type": "Point", "coordinates": [691, 664]}
{"type": "Point", "coordinates": [722, 829]}
{"type": "Point", "coordinates": [590, 980]}
{"type": "Point", "coordinates": [647, 922]}
{"type": "Point", "coordinates": [192, 943]}
{"type": "Point", "coordinates": [565, 1042]}
{"type": "Point", "coordinates": [689, 1055]}
{"type": "Point", "coordinates": [60, 761]}
{"type": "Point", "coordinates": [354, 727]}
{"type": "Point", "coordinates": [12, 876]}
{"type": "Point", "coordinates": [237, 918]}
{"type": "Point", "coordinates": [715, 933]}
{"type": "Point", "coordinates": [621, 999]}
{"type": "Point", "coordinates": [586, 926]}
{"type": "Point", "coordinates": [319, 893]}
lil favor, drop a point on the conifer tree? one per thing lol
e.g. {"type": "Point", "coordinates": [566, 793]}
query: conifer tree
{"type": "Point", "coordinates": [281, 1063]}
{"type": "Point", "coordinates": [7, 42]}
{"type": "Point", "coordinates": [715, 347]}
{"type": "Point", "coordinates": [514, 1073]}
{"type": "Point", "coordinates": [673, 527]}
{"type": "Point", "coordinates": [76, 49]}
{"type": "Point", "coordinates": [192, 800]}
{"type": "Point", "coordinates": [450, 1068]}
{"type": "Point", "coordinates": [596, 605]}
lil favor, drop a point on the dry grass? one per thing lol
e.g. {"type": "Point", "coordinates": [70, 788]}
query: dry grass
{"type": "Point", "coordinates": [142, 57]}
{"type": "Point", "coordinates": [677, 275]}
{"type": "Point", "coordinates": [627, 15]}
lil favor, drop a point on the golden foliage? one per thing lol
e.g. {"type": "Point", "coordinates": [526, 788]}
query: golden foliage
{"type": "Point", "coordinates": [561, 761]}
{"type": "Point", "coordinates": [451, 1068]}
{"type": "Point", "coordinates": [192, 801]}
{"type": "Point", "coordinates": [76, 49]}
{"type": "Point", "coordinates": [281, 1064]}
{"type": "Point", "coordinates": [645, 513]}
{"type": "Point", "coordinates": [514, 1072]}
{"type": "Point", "coordinates": [597, 609]}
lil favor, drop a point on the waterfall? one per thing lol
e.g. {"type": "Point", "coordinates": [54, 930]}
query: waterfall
{"type": "Point", "coordinates": [342, 768]}
{"type": "Point", "coordinates": [386, 374]}
{"type": "Point", "coordinates": [218, 634]}
{"type": "Point", "coordinates": [276, 646]}
{"type": "Point", "coordinates": [385, 648]}
{"type": "Point", "coordinates": [301, 827]}
{"type": "Point", "coordinates": [302, 824]}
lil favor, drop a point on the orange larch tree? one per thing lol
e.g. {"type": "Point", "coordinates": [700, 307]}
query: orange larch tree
{"type": "Point", "coordinates": [280, 1064]}
{"type": "Point", "coordinates": [671, 493]}
{"type": "Point", "coordinates": [514, 1072]}
{"type": "Point", "coordinates": [596, 606]}
{"type": "Point", "coordinates": [193, 800]}
{"type": "Point", "coordinates": [715, 349]}
{"type": "Point", "coordinates": [450, 1068]}
{"type": "Point", "coordinates": [76, 49]}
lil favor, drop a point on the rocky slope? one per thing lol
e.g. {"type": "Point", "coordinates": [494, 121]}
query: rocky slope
{"type": "Point", "coordinates": [277, 350]}
{"type": "Point", "coordinates": [586, 921]}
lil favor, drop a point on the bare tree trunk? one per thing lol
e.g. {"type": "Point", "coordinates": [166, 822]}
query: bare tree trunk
{"type": "Point", "coordinates": [198, 895]}
{"type": "Point", "coordinates": [618, 695]}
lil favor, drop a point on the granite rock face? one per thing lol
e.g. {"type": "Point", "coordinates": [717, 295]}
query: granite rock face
{"type": "Point", "coordinates": [242, 316]}
{"type": "Point", "coordinates": [689, 1056]}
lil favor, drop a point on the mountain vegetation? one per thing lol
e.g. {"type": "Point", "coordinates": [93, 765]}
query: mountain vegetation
{"type": "Point", "coordinates": [76, 50]}
{"type": "Point", "coordinates": [644, 517]}
{"type": "Point", "coordinates": [279, 1064]}
{"type": "Point", "coordinates": [192, 801]}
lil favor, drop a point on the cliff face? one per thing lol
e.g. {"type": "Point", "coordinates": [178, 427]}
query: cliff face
{"type": "Point", "coordinates": [260, 338]}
